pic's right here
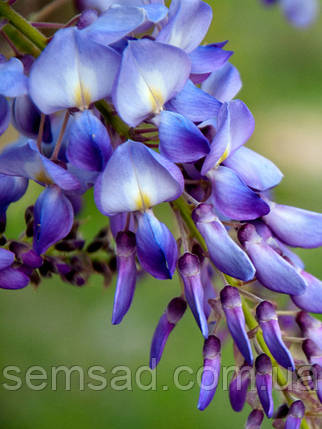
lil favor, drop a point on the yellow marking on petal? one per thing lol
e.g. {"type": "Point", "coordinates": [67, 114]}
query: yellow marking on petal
{"type": "Point", "coordinates": [43, 178]}
{"type": "Point", "coordinates": [82, 96]}
{"type": "Point", "coordinates": [142, 202]}
{"type": "Point", "coordinates": [224, 155]}
{"type": "Point", "coordinates": [156, 100]}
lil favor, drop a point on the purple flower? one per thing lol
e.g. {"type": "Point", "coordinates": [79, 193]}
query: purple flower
{"type": "Point", "coordinates": [295, 415]}
{"type": "Point", "coordinates": [255, 419]}
{"type": "Point", "coordinates": [211, 371]}
{"type": "Point", "coordinates": [232, 306]}
{"type": "Point", "coordinates": [126, 275]}
{"type": "Point", "coordinates": [267, 318]}
{"type": "Point", "coordinates": [238, 388]}
{"type": "Point", "coordinates": [173, 313]}
{"type": "Point", "coordinates": [189, 269]}
{"type": "Point", "coordinates": [264, 383]}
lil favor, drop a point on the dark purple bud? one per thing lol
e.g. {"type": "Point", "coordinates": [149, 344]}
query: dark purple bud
{"type": "Point", "coordinates": [238, 388]}
{"type": "Point", "coordinates": [310, 327]}
{"type": "Point", "coordinates": [26, 118]}
{"type": "Point", "coordinates": [317, 380]}
{"type": "Point", "coordinates": [25, 254]}
{"type": "Point", "coordinates": [232, 306]}
{"type": "Point", "coordinates": [223, 251]}
{"type": "Point", "coordinates": [126, 277]}
{"type": "Point", "coordinates": [281, 412]}
{"type": "Point", "coordinates": [172, 315]}
{"type": "Point", "coordinates": [312, 352]}
{"type": "Point", "coordinates": [211, 371]}
{"type": "Point", "coordinates": [267, 318]}
{"type": "Point", "coordinates": [255, 419]}
{"type": "Point", "coordinates": [295, 415]}
{"type": "Point", "coordinates": [272, 270]}
{"type": "Point", "coordinates": [189, 268]}
{"type": "Point", "coordinates": [264, 383]}
{"type": "Point", "coordinates": [87, 18]}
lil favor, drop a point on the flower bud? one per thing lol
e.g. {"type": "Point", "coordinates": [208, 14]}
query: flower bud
{"type": "Point", "coordinates": [126, 277]}
{"type": "Point", "coordinates": [174, 312]}
{"type": "Point", "coordinates": [312, 352]}
{"type": "Point", "coordinates": [295, 415]}
{"type": "Point", "coordinates": [267, 318]}
{"type": "Point", "coordinates": [232, 306]}
{"type": "Point", "coordinates": [211, 371]}
{"type": "Point", "coordinates": [238, 388]}
{"type": "Point", "coordinates": [255, 419]}
{"type": "Point", "coordinates": [264, 383]}
{"type": "Point", "coordinates": [189, 269]}
{"type": "Point", "coordinates": [227, 256]}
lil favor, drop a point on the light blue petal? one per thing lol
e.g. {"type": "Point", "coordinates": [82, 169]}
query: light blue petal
{"type": "Point", "coordinates": [235, 125]}
{"type": "Point", "coordinates": [194, 104]}
{"type": "Point", "coordinates": [188, 24]}
{"type": "Point", "coordinates": [233, 198]}
{"type": "Point", "coordinates": [72, 71]}
{"type": "Point", "coordinates": [13, 82]}
{"type": "Point", "coordinates": [206, 59]}
{"type": "Point", "coordinates": [136, 178]}
{"type": "Point", "coordinates": [224, 83]}
{"type": "Point", "coordinates": [151, 74]}
{"type": "Point", "coordinates": [254, 169]}
{"type": "Point", "coordinates": [294, 226]}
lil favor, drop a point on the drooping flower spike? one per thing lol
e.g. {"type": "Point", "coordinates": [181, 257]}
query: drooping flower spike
{"type": "Point", "coordinates": [127, 99]}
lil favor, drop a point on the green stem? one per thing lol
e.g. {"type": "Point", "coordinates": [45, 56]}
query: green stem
{"type": "Point", "coordinates": [20, 41]}
{"type": "Point", "coordinates": [115, 121]}
{"type": "Point", "coordinates": [185, 211]}
{"type": "Point", "coordinates": [21, 24]}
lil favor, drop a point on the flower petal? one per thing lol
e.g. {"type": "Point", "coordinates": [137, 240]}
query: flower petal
{"type": "Point", "coordinates": [272, 270]}
{"type": "Point", "coordinates": [264, 383]}
{"type": "Point", "coordinates": [224, 83]}
{"type": "Point", "coordinates": [235, 125]}
{"type": "Point", "coordinates": [53, 218]}
{"type": "Point", "coordinates": [188, 24]}
{"type": "Point", "coordinates": [254, 169]}
{"type": "Point", "coordinates": [13, 81]}
{"type": "Point", "coordinates": [267, 318]}
{"type": "Point", "coordinates": [12, 278]}
{"type": "Point", "coordinates": [194, 104]}
{"type": "Point", "coordinates": [126, 275]}
{"type": "Point", "coordinates": [72, 71]}
{"type": "Point", "coordinates": [205, 59]}
{"type": "Point", "coordinates": [156, 247]}
{"type": "Point", "coordinates": [233, 198]}
{"type": "Point", "coordinates": [174, 312]}
{"type": "Point", "coordinates": [136, 178]}
{"type": "Point", "coordinates": [211, 371]}
{"type": "Point", "coordinates": [115, 23]}
{"type": "Point", "coordinates": [189, 268]}
{"type": "Point", "coordinates": [295, 227]}
{"type": "Point", "coordinates": [151, 73]}
{"type": "Point", "coordinates": [311, 299]}
{"type": "Point", "coordinates": [89, 145]}
{"type": "Point", "coordinates": [227, 256]}
{"type": "Point", "coordinates": [180, 139]}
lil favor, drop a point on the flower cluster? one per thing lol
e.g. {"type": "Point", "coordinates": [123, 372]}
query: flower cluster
{"type": "Point", "coordinates": [300, 13]}
{"type": "Point", "coordinates": [127, 101]}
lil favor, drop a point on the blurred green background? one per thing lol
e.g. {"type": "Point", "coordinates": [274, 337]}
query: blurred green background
{"type": "Point", "coordinates": [58, 324]}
